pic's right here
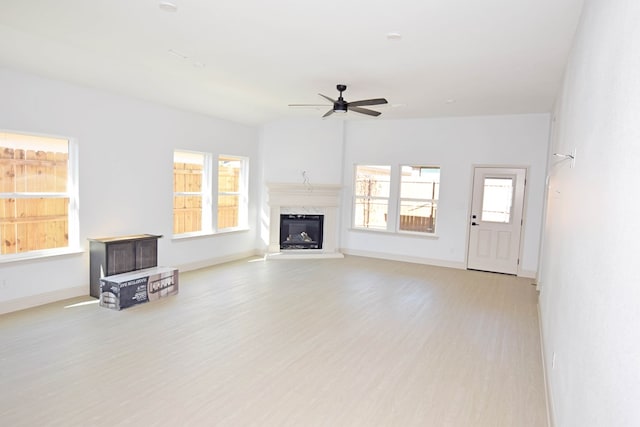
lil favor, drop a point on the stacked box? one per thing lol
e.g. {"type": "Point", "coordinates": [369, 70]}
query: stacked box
{"type": "Point", "coordinates": [137, 287]}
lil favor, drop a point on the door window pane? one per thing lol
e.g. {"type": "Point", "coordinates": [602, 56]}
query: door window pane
{"type": "Point", "coordinates": [497, 200]}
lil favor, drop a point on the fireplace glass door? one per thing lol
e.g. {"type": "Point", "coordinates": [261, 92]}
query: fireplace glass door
{"type": "Point", "coordinates": [299, 231]}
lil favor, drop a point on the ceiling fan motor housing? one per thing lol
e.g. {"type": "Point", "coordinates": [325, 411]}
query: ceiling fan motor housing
{"type": "Point", "coordinates": [340, 106]}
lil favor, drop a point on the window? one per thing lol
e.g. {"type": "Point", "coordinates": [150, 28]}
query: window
{"type": "Point", "coordinates": [191, 192]}
{"type": "Point", "coordinates": [193, 206]}
{"type": "Point", "coordinates": [372, 191]}
{"type": "Point", "coordinates": [232, 192]}
{"type": "Point", "coordinates": [497, 200]}
{"type": "Point", "coordinates": [419, 191]}
{"type": "Point", "coordinates": [38, 194]}
{"type": "Point", "coordinates": [392, 198]}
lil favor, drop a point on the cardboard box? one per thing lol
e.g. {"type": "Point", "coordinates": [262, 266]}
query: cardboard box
{"type": "Point", "coordinates": [137, 287]}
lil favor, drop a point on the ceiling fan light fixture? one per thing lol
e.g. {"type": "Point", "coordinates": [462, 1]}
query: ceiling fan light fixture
{"type": "Point", "coordinates": [339, 108]}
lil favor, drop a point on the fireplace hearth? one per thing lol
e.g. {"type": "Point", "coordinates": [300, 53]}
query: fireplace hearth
{"type": "Point", "coordinates": [299, 231]}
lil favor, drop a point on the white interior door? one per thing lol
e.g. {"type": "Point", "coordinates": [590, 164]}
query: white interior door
{"type": "Point", "coordinates": [496, 219]}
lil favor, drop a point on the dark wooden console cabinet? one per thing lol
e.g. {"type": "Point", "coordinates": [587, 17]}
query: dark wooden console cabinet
{"type": "Point", "coordinates": [115, 255]}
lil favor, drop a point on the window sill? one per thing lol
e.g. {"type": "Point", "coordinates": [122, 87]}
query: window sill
{"type": "Point", "coordinates": [208, 233]}
{"type": "Point", "coordinates": [411, 234]}
{"type": "Point", "coordinates": [35, 255]}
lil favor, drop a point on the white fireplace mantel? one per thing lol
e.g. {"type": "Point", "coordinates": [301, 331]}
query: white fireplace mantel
{"type": "Point", "coordinates": [323, 199]}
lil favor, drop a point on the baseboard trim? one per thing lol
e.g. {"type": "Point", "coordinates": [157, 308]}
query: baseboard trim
{"type": "Point", "coordinates": [547, 390]}
{"type": "Point", "coordinates": [197, 265]}
{"type": "Point", "coordinates": [404, 258]}
{"type": "Point", "coordinates": [527, 273]}
{"type": "Point", "coordinates": [41, 299]}
{"type": "Point", "coordinates": [303, 254]}
{"type": "Point", "coordinates": [427, 261]}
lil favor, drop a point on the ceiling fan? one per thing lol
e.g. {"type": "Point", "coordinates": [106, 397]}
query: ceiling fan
{"type": "Point", "coordinates": [342, 106]}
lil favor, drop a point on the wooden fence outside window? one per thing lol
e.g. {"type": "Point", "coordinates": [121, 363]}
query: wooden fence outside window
{"type": "Point", "coordinates": [29, 223]}
{"type": "Point", "coordinates": [187, 210]}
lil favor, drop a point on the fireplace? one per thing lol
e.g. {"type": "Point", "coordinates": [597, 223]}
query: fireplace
{"type": "Point", "coordinates": [300, 231]}
{"type": "Point", "coordinates": [295, 209]}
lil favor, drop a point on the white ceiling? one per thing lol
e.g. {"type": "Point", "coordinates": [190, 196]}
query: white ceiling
{"type": "Point", "coordinates": [248, 59]}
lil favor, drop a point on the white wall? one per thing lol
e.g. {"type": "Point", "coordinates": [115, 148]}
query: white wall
{"type": "Point", "coordinates": [126, 154]}
{"type": "Point", "coordinates": [590, 296]}
{"type": "Point", "coordinates": [455, 144]}
{"type": "Point", "coordinates": [290, 147]}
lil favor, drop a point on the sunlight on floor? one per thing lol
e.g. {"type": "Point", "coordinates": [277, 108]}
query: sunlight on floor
{"type": "Point", "coordinates": [83, 303]}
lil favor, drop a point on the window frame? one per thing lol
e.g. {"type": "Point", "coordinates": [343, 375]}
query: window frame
{"type": "Point", "coordinates": [210, 194]}
{"type": "Point", "coordinates": [205, 193]}
{"type": "Point", "coordinates": [242, 194]}
{"type": "Point", "coordinates": [433, 201]}
{"type": "Point", "coordinates": [72, 193]}
{"type": "Point", "coordinates": [394, 200]}
{"type": "Point", "coordinates": [357, 197]}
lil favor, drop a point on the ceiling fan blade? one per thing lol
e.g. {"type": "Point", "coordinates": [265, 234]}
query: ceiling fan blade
{"type": "Point", "coordinates": [327, 98]}
{"type": "Point", "coordinates": [328, 113]}
{"type": "Point", "coordinates": [364, 111]}
{"type": "Point", "coordinates": [377, 101]}
{"type": "Point", "coordinates": [309, 105]}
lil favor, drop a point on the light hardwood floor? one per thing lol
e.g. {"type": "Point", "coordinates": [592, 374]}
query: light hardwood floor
{"type": "Point", "coordinates": [344, 342]}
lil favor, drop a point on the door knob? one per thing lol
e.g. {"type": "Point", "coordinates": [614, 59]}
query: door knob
{"type": "Point", "coordinates": [474, 223]}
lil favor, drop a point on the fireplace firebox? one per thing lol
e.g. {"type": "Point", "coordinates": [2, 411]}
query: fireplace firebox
{"type": "Point", "coordinates": [298, 231]}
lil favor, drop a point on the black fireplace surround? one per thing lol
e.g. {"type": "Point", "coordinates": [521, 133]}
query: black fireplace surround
{"type": "Point", "coordinates": [298, 231]}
